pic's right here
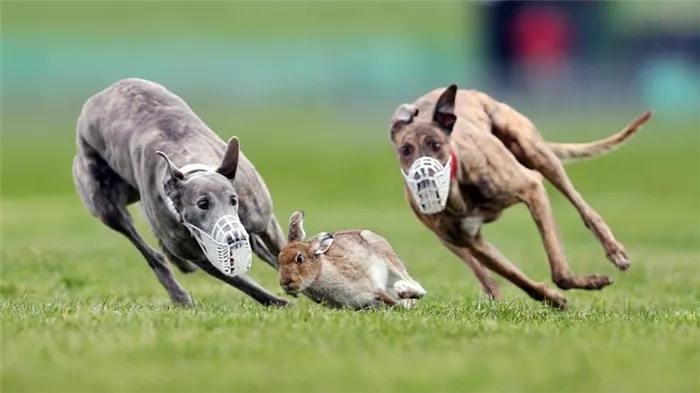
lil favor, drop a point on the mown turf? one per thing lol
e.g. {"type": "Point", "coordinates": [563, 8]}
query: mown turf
{"type": "Point", "coordinates": [81, 311]}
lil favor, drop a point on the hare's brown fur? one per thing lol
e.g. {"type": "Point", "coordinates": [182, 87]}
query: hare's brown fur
{"type": "Point", "coordinates": [355, 268]}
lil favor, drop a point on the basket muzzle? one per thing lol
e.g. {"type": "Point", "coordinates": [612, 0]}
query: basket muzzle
{"type": "Point", "coordinates": [228, 246]}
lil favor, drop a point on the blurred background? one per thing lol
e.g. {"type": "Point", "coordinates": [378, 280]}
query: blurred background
{"type": "Point", "coordinates": [358, 55]}
{"type": "Point", "coordinates": [279, 70]}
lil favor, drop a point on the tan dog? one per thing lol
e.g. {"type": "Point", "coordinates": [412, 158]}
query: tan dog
{"type": "Point", "coordinates": [466, 157]}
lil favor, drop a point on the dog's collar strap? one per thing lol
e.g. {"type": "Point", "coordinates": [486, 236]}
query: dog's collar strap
{"type": "Point", "coordinates": [193, 168]}
{"type": "Point", "coordinates": [453, 169]}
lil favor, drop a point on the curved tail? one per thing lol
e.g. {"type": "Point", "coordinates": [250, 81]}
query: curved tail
{"type": "Point", "coordinates": [571, 152]}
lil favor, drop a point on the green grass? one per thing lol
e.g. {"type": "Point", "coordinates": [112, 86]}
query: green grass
{"type": "Point", "coordinates": [81, 311]}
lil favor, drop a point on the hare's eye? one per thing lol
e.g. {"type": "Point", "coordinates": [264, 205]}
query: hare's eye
{"type": "Point", "coordinates": [299, 258]}
{"type": "Point", "coordinates": [203, 203]}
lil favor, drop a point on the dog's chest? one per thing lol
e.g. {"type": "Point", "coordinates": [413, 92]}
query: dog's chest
{"type": "Point", "coordinates": [471, 225]}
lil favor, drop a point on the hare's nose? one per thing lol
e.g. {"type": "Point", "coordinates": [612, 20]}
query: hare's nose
{"type": "Point", "coordinates": [288, 286]}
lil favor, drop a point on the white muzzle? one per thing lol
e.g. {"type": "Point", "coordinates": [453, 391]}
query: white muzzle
{"type": "Point", "coordinates": [228, 247]}
{"type": "Point", "coordinates": [429, 183]}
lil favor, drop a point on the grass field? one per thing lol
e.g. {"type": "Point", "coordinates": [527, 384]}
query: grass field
{"type": "Point", "coordinates": [81, 311]}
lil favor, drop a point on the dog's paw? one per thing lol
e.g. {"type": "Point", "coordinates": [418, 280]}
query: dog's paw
{"type": "Point", "coordinates": [282, 303]}
{"type": "Point", "coordinates": [619, 257]}
{"type": "Point", "coordinates": [557, 300]}
{"type": "Point", "coordinates": [182, 299]}
{"type": "Point", "coordinates": [598, 281]}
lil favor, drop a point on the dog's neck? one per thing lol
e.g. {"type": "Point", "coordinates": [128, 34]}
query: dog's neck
{"type": "Point", "coordinates": [453, 169]}
{"type": "Point", "coordinates": [195, 167]}
{"type": "Point", "coordinates": [453, 205]}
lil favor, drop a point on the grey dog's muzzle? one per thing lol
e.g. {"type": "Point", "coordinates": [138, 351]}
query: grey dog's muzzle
{"type": "Point", "coordinates": [228, 247]}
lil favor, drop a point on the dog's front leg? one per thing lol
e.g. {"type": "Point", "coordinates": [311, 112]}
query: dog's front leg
{"type": "Point", "coordinates": [488, 283]}
{"type": "Point", "coordinates": [487, 254]}
{"type": "Point", "coordinates": [248, 286]}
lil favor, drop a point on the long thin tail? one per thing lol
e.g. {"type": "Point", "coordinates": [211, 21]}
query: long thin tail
{"type": "Point", "coordinates": [571, 152]}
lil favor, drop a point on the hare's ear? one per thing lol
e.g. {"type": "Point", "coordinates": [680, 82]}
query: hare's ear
{"type": "Point", "coordinates": [324, 243]}
{"type": "Point", "coordinates": [296, 227]}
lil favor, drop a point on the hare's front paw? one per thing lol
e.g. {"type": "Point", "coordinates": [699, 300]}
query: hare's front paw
{"type": "Point", "coordinates": [408, 303]}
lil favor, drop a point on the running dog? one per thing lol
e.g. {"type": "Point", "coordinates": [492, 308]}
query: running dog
{"type": "Point", "coordinates": [466, 157]}
{"type": "Point", "coordinates": [205, 202]}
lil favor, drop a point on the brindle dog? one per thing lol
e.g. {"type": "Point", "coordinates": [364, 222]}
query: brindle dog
{"type": "Point", "coordinates": [499, 159]}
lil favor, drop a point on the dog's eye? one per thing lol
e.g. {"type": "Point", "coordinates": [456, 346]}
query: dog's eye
{"type": "Point", "coordinates": [234, 200]}
{"type": "Point", "coordinates": [435, 145]}
{"type": "Point", "coordinates": [406, 150]}
{"type": "Point", "coordinates": [203, 203]}
{"type": "Point", "coordinates": [299, 258]}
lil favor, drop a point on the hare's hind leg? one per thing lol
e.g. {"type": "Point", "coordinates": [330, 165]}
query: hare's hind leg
{"type": "Point", "coordinates": [406, 289]}
{"type": "Point", "coordinates": [399, 280]}
{"type": "Point", "coordinates": [385, 298]}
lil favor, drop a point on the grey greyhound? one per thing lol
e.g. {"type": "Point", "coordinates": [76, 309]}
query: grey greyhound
{"type": "Point", "coordinates": [137, 141]}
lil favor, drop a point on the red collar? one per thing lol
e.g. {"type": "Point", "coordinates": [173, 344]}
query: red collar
{"type": "Point", "coordinates": [453, 170]}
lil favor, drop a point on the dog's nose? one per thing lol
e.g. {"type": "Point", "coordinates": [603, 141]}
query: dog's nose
{"type": "Point", "coordinates": [233, 239]}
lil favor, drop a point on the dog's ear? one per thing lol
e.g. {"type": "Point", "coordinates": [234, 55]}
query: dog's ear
{"type": "Point", "coordinates": [444, 114]}
{"type": "Point", "coordinates": [171, 186]}
{"type": "Point", "coordinates": [229, 163]}
{"type": "Point", "coordinates": [173, 170]}
{"type": "Point", "coordinates": [403, 115]}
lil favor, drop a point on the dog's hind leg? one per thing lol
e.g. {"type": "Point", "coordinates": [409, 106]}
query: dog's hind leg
{"type": "Point", "coordinates": [520, 136]}
{"type": "Point", "coordinates": [268, 244]}
{"type": "Point", "coordinates": [106, 195]}
{"type": "Point", "coordinates": [535, 197]}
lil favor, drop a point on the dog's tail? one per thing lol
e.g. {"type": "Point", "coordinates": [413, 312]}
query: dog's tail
{"type": "Point", "coordinates": [571, 152]}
